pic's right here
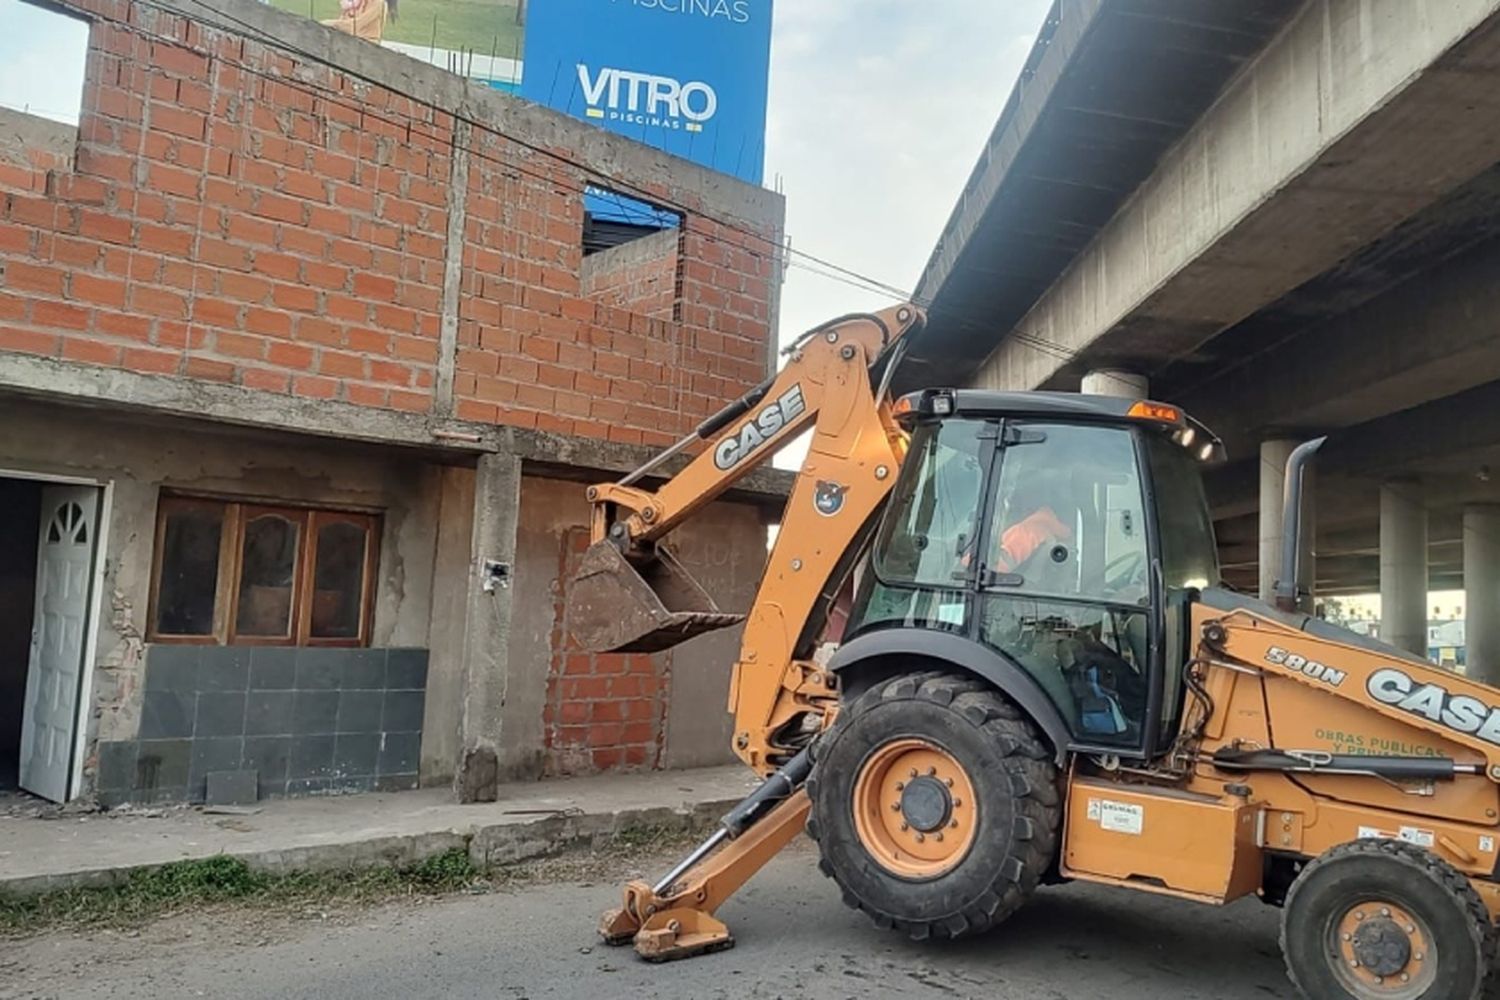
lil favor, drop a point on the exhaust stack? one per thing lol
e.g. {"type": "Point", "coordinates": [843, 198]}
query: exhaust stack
{"type": "Point", "coordinates": [1288, 592]}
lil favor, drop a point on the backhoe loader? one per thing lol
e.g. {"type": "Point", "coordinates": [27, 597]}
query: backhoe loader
{"type": "Point", "coordinates": [1039, 678]}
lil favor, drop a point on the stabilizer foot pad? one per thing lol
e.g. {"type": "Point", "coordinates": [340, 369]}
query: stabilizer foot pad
{"type": "Point", "coordinates": [689, 951]}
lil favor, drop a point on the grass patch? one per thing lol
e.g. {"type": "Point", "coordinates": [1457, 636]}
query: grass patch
{"type": "Point", "coordinates": [156, 892]}
{"type": "Point", "coordinates": [149, 894]}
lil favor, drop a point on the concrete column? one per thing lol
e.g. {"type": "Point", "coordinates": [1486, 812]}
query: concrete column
{"type": "Point", "coordinates": [497, 505]}
{"type": "Point", "coordinates": [1482, 592]}
{"type": "Point", "coordinates": [1115, 382]}
{"type": "Point", "coordinates": [1273, 456]}
{"type": "Point", "coordinates": [1403, 567]}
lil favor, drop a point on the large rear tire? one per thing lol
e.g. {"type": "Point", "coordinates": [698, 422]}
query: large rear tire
{"type": "Point", "coordinates": [935, 805]}
{"type": "Point", "coordinates": [1385, 920]}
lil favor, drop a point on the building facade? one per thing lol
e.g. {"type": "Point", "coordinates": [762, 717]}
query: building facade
{"type": "Point", "coordinates": [302, 366]}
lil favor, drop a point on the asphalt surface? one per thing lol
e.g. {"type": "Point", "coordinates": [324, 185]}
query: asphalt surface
{"type": "Point", "coordinates": [795, 939]}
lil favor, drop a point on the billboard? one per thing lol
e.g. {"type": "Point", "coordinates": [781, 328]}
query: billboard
{"type": "Point", "coordinates": [686, 76]}
{"type": "Point", "coordinates": [480, 39]}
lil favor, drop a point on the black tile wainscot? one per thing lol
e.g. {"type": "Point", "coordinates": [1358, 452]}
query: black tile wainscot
{"type": "Point", "coordinates": [305, 721]}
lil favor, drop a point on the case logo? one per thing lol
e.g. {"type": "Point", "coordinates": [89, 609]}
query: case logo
{"type": "Point", "coordinates": [1435, 703]}
{"type": "Point", "coordinates": [739, 445]}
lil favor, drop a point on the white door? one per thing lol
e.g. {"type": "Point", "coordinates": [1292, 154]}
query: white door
{"type": "Point", "coordinates": [64, 572]}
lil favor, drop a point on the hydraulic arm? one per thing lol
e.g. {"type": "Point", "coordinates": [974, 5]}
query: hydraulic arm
{"type": "Point", "coordinates": [631, 594]}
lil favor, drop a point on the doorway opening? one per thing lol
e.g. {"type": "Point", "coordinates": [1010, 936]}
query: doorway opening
{"type": "Point", "coordinates": [48, 545]}
{"type": "Point", "coordinates": [21, 499]}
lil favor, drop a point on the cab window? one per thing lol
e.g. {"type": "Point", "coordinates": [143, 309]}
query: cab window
{"type": "Point", "coordinates": [1065, 582]}
{"type": "Point", "coordinates": [929, 530]}
{"type": "Point", "coordinates": [1068, 517]}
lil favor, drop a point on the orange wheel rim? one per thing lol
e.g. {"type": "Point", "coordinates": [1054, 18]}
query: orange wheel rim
{"type": "Point", "coordinates": [1382, 950]}
{"type": "Point", "coordinates": [914, 809]}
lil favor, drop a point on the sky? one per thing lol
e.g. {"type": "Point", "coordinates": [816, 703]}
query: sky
{"type": "Point", "coordinates": [41, 61]}
{"type": "Point", "coordinates": [878, 111]}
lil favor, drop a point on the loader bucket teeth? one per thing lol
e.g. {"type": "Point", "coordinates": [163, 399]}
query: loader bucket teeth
{"type": "Point", "coordinates": [616, 606]}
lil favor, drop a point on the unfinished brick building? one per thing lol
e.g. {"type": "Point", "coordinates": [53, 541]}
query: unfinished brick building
{"type": "Point", "coordinates": [302, 362]}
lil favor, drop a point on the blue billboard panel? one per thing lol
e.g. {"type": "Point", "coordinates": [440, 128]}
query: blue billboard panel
{"type": "Point", "coordinates": [686, 76]}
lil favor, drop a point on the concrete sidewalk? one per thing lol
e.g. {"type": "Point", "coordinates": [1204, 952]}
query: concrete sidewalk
{"type": "Point", "coordinates": [39, 855]}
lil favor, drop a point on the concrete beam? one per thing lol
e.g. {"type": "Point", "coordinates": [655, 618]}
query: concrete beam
{"type": "Point", "coordinates": [1114, 382]}
{"type": "Point", "coordinates": [1403, 567]}
{"type": "Point", "coordinates": [1482, 592]}
{"type": "Point", "coordinates": [444, 440]}
{"type": "Point", "coordinates": [1430, 337]}
{"type": "Point", "coordinates": [1358, 116]}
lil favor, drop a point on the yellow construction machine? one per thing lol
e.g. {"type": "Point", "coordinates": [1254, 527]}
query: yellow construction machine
{"type": "Point", "coordinates": [1039, 678]}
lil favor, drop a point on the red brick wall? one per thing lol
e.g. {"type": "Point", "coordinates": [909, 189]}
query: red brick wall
{"type": "Point", "coordinates": [603, 711]}
{"type": "Point", "coordinates": [640, 276]}
{"type": "Point", "coordinates": [239, 215]}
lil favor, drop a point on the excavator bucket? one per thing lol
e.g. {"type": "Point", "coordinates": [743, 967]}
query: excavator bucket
{"type": "Point", "coordinates": [617, 606]}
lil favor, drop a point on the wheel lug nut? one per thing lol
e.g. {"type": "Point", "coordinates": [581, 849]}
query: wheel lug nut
{"type": "Point", "coordinates": [932, 772]}
{"type": "Point", "coordinates": [896, 807]}
{"type": "Point", "coordinates": [912, 773]}
{"type": "Point", "coordinates": [957, 803]}
{"type": "Point", "coordinates": [1419, 956]}
{"type": "Point", "coordinates": [1384, 912]}
{"type": "Point", "coordinates": [900, 785]}
{"type": "Point", "coordinates": [1410, 929]}
{"type": "Point", "coordinates": [953, 824]}
{"type": "Point", "coordinates": [1359, 915]}
{"type": "Point", "coordinates": [1405, 978]}
{"type": "Point", "coordinates": [938, 836]}
{"type": "Point", "coordinates": [1347, 935]}
{"type": "Point", "coordinates": [949, 782]}
{"type": "Point", "coordinates": [920, 838]}
{"type": "Point", "coordinates": [1354, 962]}
{"type": "Point", "coordinates": [904, 828]}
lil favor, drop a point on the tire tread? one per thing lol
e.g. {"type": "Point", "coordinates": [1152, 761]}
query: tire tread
{"type": "Point", "coordinates": [1033, 780]}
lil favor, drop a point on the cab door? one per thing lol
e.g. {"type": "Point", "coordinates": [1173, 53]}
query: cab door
{"type": "Point", "coordinates": [1064, 576]}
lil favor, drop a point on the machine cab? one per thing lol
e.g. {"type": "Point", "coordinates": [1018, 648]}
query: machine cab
{"type": "Point", "coordinates": [1063, 534]}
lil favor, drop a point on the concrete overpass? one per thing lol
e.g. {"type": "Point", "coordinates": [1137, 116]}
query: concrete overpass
{"type": "Point", "coordinates": [1285, 215]}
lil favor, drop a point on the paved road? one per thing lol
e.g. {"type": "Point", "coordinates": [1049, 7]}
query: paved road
{"type": "Point", "coordinates": [795, 940]}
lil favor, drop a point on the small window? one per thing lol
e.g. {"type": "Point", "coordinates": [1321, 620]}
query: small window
{"type": "Point", "coordinates": [238, 573]}
{"type": "Point", "coordinates": [43, 51]}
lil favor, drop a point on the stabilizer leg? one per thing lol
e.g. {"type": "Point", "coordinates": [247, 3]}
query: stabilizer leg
{"type": "Point", "coordinates": [675, 918]}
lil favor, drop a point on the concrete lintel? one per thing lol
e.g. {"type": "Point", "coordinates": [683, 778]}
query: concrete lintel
{"type": "Point", "coordinates": [195, 399]}
{"type": "Point", "coordinates": [1277, 179]}
{"type": "Point", "coordinates": [592, 148]}
{"type": "Point", "coordinates": [563, 456]}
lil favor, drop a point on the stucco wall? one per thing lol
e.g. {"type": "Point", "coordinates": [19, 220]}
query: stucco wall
{"type": "Point", "coordinates": [140, 459]}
